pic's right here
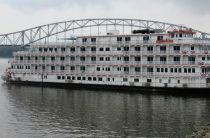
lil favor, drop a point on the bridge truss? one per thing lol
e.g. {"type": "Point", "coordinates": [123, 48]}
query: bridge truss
{"type": "Point", "coordinates": [46, 32]}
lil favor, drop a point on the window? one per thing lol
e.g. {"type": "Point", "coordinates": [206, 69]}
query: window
{"type": "Point", "coordinates": [52, 58]}
{"type": "Point", "coordinates": [150, 48]}
{"type": "Point", "coordinates": [159, 38]}
{"type": "Point", "coordinates": [136, 80]}
{"type": "Point", "coordinates": [101, 58]}
{"type": "Point", "coordinates": [150, 69]}
{"type": "Point", "coordinates": [180, 70]}
{"type": "Point", "coordinates": [189, 70]}
{"type": "Point", "coordinates": [137, 48]}
{"type": "Point", "coordinates": [45, 49]}
{"type": "Point", "coordinates": [137, 58]}
{"type": "Point", "coordinates": [192, 48]}
{"type": "Point", "coordinates": [127, 39]}
{"type": "Point", "coordinates": [191, 58]}
{"type": "Point", "coordinates": [43, 58]}
{"type": "Point", "coordinates": [126, 69]}
{"type": "Point", "coordinates": [82, 58]}
{"type": "Point", "coordinates": [176, 58]}
{"type": "Point", "coordinates": [107, 58]}
{"type": "Point", "coordinates": [100, 79]}
{"type": "Point", "coordinates": [62, 68]}
{"type": "Point", "coordinates": [119, 39]}
{"type": "Point", "coordinates": [107, 68]}
{"type": "Point", "coordinates": [52, 68]}
{"type": "Point", "coordinates": [78, 78]}
{"type": "Point", "coordinates": [149, 80]}
{"type": "Point", "coordinates": [89, 78]}
{"type": "Point", "coordinates": [84, 40]}
{"type": "Point", "coordinates": [126, 58]}
{"type": "Point", "coordinates": [93, 58]}
{"type": "Point", "coordinates": [83, 78]}
{"type": "Point", "coordinates": [93, 39]}
{"type": "Point", "coordinates": [146, 38]}
{"type": "Point", "coordinates": [40, 49]}
{"type": "Point", "coordinates": [101, 49]}
{"type": "Point", "coordinates": [162, 58]}
{"type": "Point", "coordinates": [193, 70]}
{"type": "Point", "coordinates": [72, 49]}
{"type": "Point", "coordinates": [158, 69]}
{"type": "Point", "coordinates": [176, 48]}
{"type": "Point", "coordinates": [166, 69]}
{"type": "Point", "coordinates": [137, 69]}
{"type": "Point", "coordinates": [185, 70]}
{"type": "Point", "coordinates": [72, 58]}
{"type": "Point", "coordinates": [93, 48]}
{"type": "Point", "coordinates": [163, 48]}
{"type": "Point", "coordinates": [72, 68]}
{"type": "Point", "coordinates": [63, 49]}
{"type": "Point", "coordinates": [36, 67]}
{"type": "Point", "coordinates": [94, 78]}
{"type": "Point", "coordinates": [118, 58]}
{"type": "Point", "coordinates": [68, 77]}
{"type": "Point", "coordinates": [118, 48]}
{"type": "Point", "coordinates": [203, 58]}
{"type": "Point", "coordinates": [63, 77]}
{"type": "Point", "coordinates": [126, 48]}
{"type": "Point", "coordinates": [175, 70]}
{"type": "Point", "coordinates": [82, 68]}
{"type": "Point", "coordinates": [55, 49]}
{"type": "Point", "coordinates": [58, 77]}
{"type": "Point", "coordinates": [107, 49]}
{"type": "Point", "coordinates": [171, 70]}
{"type": "Point", "coordinates": [125, 79]}
{"type": "Point", "coordinates": [150, 59]}
{"type": "Point", "coordinates": [29, 58]}
{"type": "Point", "coordinates": [98, 68]}
{"type": "Point", "coordinates": [62, 58]}
{"type": "Point", "coordinates": [82, 49]}
{"type": "Point", "coordinates": [118, 68]}
{"type": "Point", "coordinates": [21, 58]}
{"type": "Point", "coordinates": [51, 49]}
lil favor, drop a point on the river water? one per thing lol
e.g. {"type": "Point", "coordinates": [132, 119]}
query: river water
{"type": "Point", "coordinates": [49, 112]}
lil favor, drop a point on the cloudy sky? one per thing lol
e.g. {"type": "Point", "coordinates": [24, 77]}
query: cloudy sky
{"type": "Point", "coordinates": [21, 14]}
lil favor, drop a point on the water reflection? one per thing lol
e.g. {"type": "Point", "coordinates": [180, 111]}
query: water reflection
{"type": "Point", "coordinates": [74, 113]}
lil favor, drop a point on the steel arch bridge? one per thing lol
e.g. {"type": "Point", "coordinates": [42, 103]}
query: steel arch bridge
{"type": "Point", "coordinates": [35, 34]}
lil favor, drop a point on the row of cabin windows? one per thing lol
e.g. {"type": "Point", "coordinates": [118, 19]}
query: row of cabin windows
{"type": "Point", "coordinates": [86, 39]}
{"type": "Point", "coordinates": [82, 68]}
{"type": "Point", "coordinates": [51, 49]}
{"type": "Point", "coordinates": [126, 39]}
{"type": "Point", "coordinates": [107, 79]}
{"type": "Point", "coordinates": [150, 58]}
{"type": "Point", "coordinates": [180, 35]}
{"type": "Point", "coordinates": [20, 67]}
{"type": "Point", "coordinates": [73, 49]}
{"type": "Point", "coordinates": [91, 78]}
{"type": "Point", "coordinates": [176, 59]}
{"type": "Point", "coordinates": [176, 70]}
{"type": "Point", "coordinates": [126, 69]}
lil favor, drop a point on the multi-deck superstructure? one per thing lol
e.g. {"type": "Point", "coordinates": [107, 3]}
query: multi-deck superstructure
{"type": "Point", "coordinates": [149, 58]}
